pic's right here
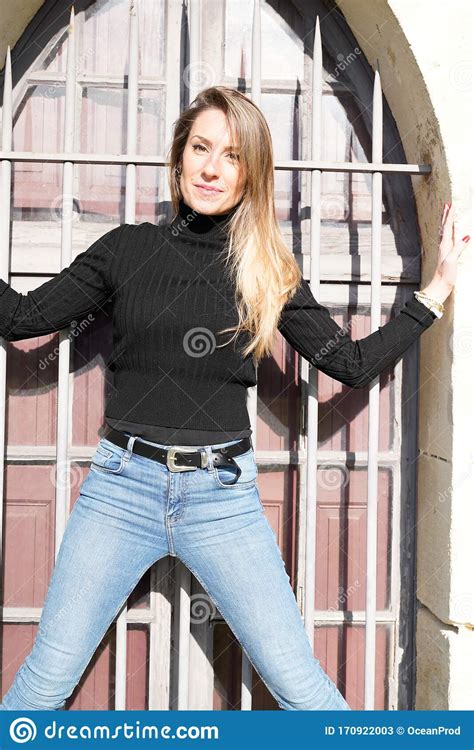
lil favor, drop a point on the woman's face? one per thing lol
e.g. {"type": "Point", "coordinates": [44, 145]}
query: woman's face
{"type": "Point", "coordinates": [211, 174]}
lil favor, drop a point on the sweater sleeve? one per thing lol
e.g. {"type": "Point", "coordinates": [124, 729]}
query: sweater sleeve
{"type": "Point", "coordinates": [309, 328]}
{"type": "Point", "coordinates": [79, 288]}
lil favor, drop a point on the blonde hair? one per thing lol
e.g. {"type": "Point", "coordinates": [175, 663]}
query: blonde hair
{"type": "Point", "coordinates": [264, 270]}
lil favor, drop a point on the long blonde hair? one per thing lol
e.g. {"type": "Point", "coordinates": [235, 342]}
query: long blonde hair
{"type": "Point", "coordinates": [264, 270]}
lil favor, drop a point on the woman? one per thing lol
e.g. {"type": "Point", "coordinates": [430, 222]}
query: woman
{"type": "Point", "coordinates": [175, 472]}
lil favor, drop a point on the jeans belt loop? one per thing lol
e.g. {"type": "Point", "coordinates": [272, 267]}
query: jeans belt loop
{"type": "Point", "coordinates": [210, 460]}
{"type": "Point", "coordinates": [129, 452]}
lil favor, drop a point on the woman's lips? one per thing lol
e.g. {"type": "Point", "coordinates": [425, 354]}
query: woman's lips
{"type": "Point", "coordinates": [207, 191]}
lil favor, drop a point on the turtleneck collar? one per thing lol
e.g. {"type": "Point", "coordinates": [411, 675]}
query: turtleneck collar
{"type": "Point", "coordinates": [190, 223]}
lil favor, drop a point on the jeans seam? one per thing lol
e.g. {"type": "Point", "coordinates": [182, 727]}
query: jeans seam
{"type": "Point", "coordinates": [211, 596]}
{"type": "Point", "coordinates": [25, 666]}
{"type": "Point", "coordinates": [242, 485]}
{"type": "Point", "coordinates": [124, 601]}
{"type": "Point", "coordinates": [105, 470]}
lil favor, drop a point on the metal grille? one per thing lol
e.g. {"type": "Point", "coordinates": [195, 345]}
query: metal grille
{"type": "Point", "coordinates": [158, 692]}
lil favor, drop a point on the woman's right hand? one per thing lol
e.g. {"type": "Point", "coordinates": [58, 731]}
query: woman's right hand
{"type": "Point", "coordinates": [449, 253]}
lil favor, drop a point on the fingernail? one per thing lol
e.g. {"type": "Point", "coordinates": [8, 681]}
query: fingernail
{"type": "Point", "coordinates": [466, 238]}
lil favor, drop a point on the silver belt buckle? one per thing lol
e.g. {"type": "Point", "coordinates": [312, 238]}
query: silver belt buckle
{"type": "Point", "coordinates": [171, 457]}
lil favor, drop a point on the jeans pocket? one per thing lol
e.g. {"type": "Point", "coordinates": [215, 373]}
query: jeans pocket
{"type": "Point", "coordinates": [108, 458]}
{"type": "Point", "coordinates": [226, 476]}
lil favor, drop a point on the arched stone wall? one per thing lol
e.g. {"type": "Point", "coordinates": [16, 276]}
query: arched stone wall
{"type": "Point", "coordinates": [425, 66]}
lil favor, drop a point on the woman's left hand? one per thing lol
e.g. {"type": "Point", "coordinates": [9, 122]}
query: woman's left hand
{"type": "Point", "coordinates": [444, 278]}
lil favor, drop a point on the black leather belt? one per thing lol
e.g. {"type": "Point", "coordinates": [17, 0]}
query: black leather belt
{"type": "Point", "coordinates": [181, 457]}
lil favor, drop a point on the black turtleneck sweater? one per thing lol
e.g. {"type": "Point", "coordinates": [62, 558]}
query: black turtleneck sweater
{"type": "Point", "coordinates": [173, 382]}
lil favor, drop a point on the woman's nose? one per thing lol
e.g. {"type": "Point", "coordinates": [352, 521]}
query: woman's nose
{"type": "Point", "coordinates": [211, 167]}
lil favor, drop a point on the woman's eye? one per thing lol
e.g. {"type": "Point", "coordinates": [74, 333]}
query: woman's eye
{"type": "Point", "coordinates": [234, 156]}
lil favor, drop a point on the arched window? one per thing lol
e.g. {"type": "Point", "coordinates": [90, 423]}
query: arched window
{"type": "Point", "coordinates": [99, 195]}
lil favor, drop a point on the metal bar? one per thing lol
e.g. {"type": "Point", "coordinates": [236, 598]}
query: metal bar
{"type": "Point", "coordinates": [326, 616]}
{"type": "Point", "coordinates": [374, 406]}
{"type": "Point", "coordinates": [31, 261]}
{"type": "Point", "coordinates": [397, 649]}
{"type": "Point", "coordinates": [33, 614]}
{"type": "Point", "coordinates": [130, 197]}
{"type": "Point", "coordinates": [157, 83]}
{"type": "Point", "coordinates": [312, 401]}
{"type": "Point", "coordinates": [101, 80]}
{"type": "Point", "coordinates": [160, 636]}
{"type": "Point", "coordinates": [160, 161]}
{"type": "Point", "coordinates": [159, 673]}
{"type": "Point", "coordinates": [252, 400]}
{"type": "Point", "coordinates": [184, 577]}
{"type": "Point", "coordinates": [64, 377]}
{"type": "Point", "coordinates": [256, 65]}
{"type": "Point", "coordinates": [5, 203]}
{"type": "Point", "coordinates": [90, 80]}
{"type": "Point", "coordinates": [184, 582]}
{"type": "Point", "coordinates": [132, 115]}
{"type": "Point", "coordinates": [141, 616]}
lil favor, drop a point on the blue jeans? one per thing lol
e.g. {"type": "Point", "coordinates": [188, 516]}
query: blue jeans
{"type": "Point", "coordinates": [132, 511]}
